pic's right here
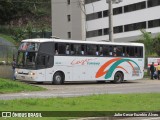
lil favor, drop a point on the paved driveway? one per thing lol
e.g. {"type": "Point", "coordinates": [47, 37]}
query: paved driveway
{"type": "Point", "coordinates": [84, 89]}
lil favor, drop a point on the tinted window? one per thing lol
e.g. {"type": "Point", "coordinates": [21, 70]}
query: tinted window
{"type": "Point", "coordinates": [154, 23]}
{"type": "Point", "coordinates": [152, 3]}
{"type": "Point", "coordinates": [136, 6]}
{"type": "Point", "coordinates": [47, 48]}
{"type": "Point", "coordinates": [92, 50]}
{"type": "Point", "coordinates": [78, 49]}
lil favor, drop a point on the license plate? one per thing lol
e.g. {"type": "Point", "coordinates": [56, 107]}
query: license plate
{"type": "Point", "coordinates": [23, 77]}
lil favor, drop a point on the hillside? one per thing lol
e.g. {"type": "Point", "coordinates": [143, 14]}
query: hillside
{"type": "Point", "coordinates": [21, 13]}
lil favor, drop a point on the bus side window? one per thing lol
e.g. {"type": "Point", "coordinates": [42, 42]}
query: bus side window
{"type": "Point", "coordinates": [131, 51]}
{"type": "Point", "coordinates": [83, 49]}
{"type": "Point", "coordinates": [72, 49]}
{"type": "Point", "coordinates": [56, 49]}
{"type": "Point", "coordinates": [119, 51]}
{"type": "Point", "coordinates": [67, 49]}
{"type": "Point", "coordinates": [100, 51]}
{"type": "Point", "coordinates": [76, 49]}
{"type": "Point", "coordinates": [105, 50]}
{"type": "Point", "coordinates": [92, 50]}
{"type": "Point", "coordinates": [110, 51]}
{"type": "Point", "coordinates": [140, 52]}
{"type": "Point", "coordinates": [123, 51]}
{"type": "Point", "coordinates": [62, 48]}
{"type": "Point", "coordinates": [127, 52]}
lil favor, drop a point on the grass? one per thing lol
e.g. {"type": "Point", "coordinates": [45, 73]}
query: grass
{"type": "Point", "coordinates": [108, 102]}
{"type": "Point", "coordinates": [8, 38]}
{"type": "Point", "coordinates": [10, 86]}
{"type": "Point", "coordinates": [146, 75]}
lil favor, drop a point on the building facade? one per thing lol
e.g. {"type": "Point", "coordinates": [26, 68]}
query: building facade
{"type": "Point", "coordinates": [88, 19]}
{"type": "Point", "coordinates": [129, 16]}
{"type": "Point", "coordinates": [67, 19]}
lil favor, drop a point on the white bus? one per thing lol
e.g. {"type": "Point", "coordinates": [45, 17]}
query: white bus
{"type": "Point", "coordinates": [59, 61]}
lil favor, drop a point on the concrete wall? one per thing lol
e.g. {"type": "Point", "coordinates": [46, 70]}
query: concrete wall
{"type": "Point", "coordinates": [60, 24]}
{"type": "Point", "coordinates": [6, 71]}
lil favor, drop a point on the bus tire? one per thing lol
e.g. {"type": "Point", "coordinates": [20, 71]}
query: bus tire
{"type": "Point", "coordinates": [58, 78]}
{"type": "Point", "coordinates": [118, 77]}
{"type": "Point", "coordinates": [102, 81]}
{"type": "Point", "coordinates": [39, 82]}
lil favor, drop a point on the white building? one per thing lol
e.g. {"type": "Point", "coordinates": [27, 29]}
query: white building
{"type": "Point", "coordinates": [70, 22]}
{"type": "Point", "coordinates": [67, 20]}
{"type": "Point", "coordinates": [129, 17]}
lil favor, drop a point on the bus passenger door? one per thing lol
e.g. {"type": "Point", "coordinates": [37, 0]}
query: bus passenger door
{"type": "Point", "coordinates": [41, 71]}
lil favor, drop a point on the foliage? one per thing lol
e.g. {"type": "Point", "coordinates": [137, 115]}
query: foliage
{"type": "Point", "coordinates": [22, 18]}
{"type": "Point", "coordinates": [18, 35]}
{"type": "Point", "coordinates": [156, 44]}
{"type": "Point", "coordinates": [151, 43]}
{"type": "Point", "coordinates": [148, 42]}
{"type": "Point", "coordinates": [13, 11]}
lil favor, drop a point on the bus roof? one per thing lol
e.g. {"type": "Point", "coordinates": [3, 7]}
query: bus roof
{"type": "Point", "coordinates": [80, 41]}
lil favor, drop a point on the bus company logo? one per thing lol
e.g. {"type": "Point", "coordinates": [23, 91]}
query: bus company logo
{"type": "Point", "coordinates": [81, 62]}
{"type": "Point", "coordinates": [115, 64]}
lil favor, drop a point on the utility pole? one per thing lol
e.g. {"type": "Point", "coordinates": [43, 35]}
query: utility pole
{"type": "Point", "coordinates": [110, 21]}
{"type": "Point", "coordinates": [110, 17]}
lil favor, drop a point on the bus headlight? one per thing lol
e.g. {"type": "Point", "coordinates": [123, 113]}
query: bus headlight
{"type": "Point", "coordinates": [32, 73]}
{"type": "Point", "coordinates": [16, 72]}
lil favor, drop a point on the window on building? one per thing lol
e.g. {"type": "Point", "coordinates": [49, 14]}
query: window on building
{"type": "Point", "coordinates": [105, 13]}
{"type": "Point", "coordinates": [134, 7]}
{"type": "Point", "coordinates": [140, 25]}
{"type": "Point", "coordinates": [154, 23]}
{"type": "Point", "coordinates": [93, 16]}
{"type": "Point", "coordinates": [90, 1]}
{"type": "Point", "coordinates": [117, 11]}
{"type": "Point", "coordinates": [68, 2]}
{"type": "Point", "coordinates": [105, 31]}
{"type": "Point", "coordinates": [69, 18]}
{"type": "Point", "coordinates": [69, 35]}
{"type": "Point", "coordinates": [94, 33]}
{"type": "Point", "coordinates": [135, 26]}
{"type": "Point", "coordinates": [152, 3]}
{"type": "Point", "coordinates": [118, 29]}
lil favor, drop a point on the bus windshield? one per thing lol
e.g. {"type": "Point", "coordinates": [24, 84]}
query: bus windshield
{"type": "Point", "coordinates": [27, 53]}
{"type": "Point", "coordinates": [26, 59]}
{"type": "Point", "coordinates": [29, 46]}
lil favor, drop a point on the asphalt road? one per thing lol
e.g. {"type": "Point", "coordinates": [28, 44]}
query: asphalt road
{"type": "Point", "coordinates": [84, 89]}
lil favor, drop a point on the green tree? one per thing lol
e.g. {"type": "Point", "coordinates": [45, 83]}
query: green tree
{"type": "Point", "coordinates": [156, 44]}
{"type": "Point", "coordinates": [13, 9]}
{"type": "Point", "coordinates": [18, 35]}
{"type": "Point", "coordinates": [148, 42]}
{"type": "Point", "coordinates": [6, 10]}
{"type": "Point", "coordinates": [151, 43]}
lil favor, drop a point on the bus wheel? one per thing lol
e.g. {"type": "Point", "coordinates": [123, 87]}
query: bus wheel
{"type": "Point", "coordinates": [118, 77]}
{"type": "Point", "coordinates": [58, 78]}
{"type": "Point", "coordinates": [103, 81]}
